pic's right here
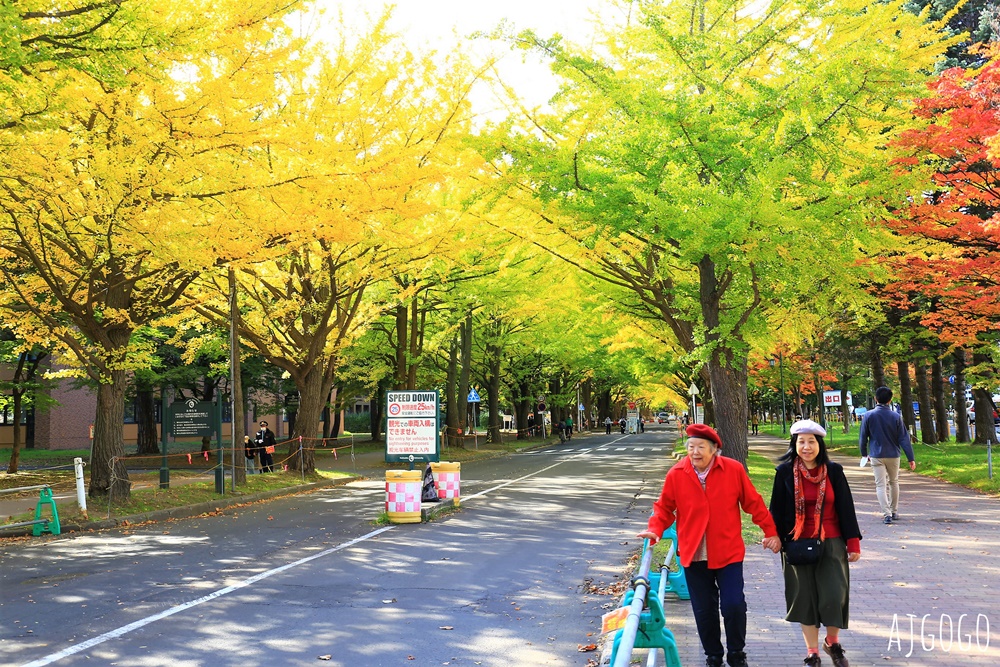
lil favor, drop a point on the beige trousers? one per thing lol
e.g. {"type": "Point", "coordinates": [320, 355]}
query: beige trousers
{"type": "Point", "coordinates": [887, 484]}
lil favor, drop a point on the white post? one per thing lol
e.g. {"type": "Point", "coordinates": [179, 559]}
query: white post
{"type": "Point", "coordinates": [81, 495]}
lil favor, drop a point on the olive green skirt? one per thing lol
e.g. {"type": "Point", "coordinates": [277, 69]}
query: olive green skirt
{"type": "Point", "coordinates": [819, 594]}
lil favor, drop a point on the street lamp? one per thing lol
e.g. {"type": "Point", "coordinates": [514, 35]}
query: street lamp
{"type": "Point", "coordinates": [781, 374]}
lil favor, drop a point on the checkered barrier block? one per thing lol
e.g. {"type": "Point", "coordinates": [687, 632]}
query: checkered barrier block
{"type": "Point", "coordinates": [402, 496]}
{"type": "Point", "coordinates": [448, 484]}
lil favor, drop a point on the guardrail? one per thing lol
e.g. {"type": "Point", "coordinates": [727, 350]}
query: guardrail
{"type": "Point", "coordinates": [645, 625]}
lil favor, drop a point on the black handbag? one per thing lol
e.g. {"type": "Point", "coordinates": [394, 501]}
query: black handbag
{"type": "Point", "coordinates": [807, 550]}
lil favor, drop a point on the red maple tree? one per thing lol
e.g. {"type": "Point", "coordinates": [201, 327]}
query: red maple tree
{"type": "Point", "coordinates": [959, 211]}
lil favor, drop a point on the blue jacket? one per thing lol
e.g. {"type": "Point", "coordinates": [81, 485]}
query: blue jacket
{"type": "Point", "coordinates": [883, 434]}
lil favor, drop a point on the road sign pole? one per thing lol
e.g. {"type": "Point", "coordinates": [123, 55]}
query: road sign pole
{"type": "Point", "coordinates": [693, 393]}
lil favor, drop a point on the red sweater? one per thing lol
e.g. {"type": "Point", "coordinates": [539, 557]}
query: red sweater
{"type": "Point", "coordinates": [831, 521]}
{"type": "Point", "coordinates": [712, 512]}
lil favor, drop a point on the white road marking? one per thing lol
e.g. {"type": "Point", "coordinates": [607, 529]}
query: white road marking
{"type": "Point", "coordinates": [135, 625]}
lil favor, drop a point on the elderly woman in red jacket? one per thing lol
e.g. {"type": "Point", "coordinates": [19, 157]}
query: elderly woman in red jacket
{"type": "Point", "coordinates": [707, 491]}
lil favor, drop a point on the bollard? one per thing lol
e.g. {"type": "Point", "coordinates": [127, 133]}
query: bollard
{"type": "Point", "coordinates": [447, 479]}
{"type": "Point", "coordinates": [402, 495]}
{"type": "Point", "coordinates": [81, 492]}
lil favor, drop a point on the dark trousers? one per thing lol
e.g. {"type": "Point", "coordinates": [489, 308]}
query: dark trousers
{"type": "Point", "coordinates": [266, 461]}
{"type": "Point", "coordinates": [712, 590]}
{"type": "Point", "coordinates": [607, 429]}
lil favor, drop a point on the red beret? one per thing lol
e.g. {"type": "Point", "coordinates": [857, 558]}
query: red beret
{"type": "Point", "coordinates": [705, 432]}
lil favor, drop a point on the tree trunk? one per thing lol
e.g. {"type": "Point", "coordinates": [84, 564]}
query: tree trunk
{"type": "Point", "coordinates": [465, 370]}
{"type": "Point", "coordinates": [378, 407]}
{"type": "Point", "coordinates": [400, 347]}
{"type": "Point", "coordinates": [24, 375]}
{"type": "Point", "coordinates": [416, 343]}
{"type": "Point", "coordinates": [145, 419]}
{"type": "Point", "coordinates": [493, 397]}
{"type": "Point", "coordinates": [452, 422]}
{"type": "Point", "coordinates": [587, 398]}
{"type": "Point", "coordinates": [906, 396]}
{"type": "Point", "coordinates": [313, 390]}
{"type": "Point", "coordinates": [727, 370]}
{"type": "Point", "coordinates": [108, 475]}
{"type": "Point", "coordinates": [985, 429]}
{"type": "Point", "coordinates": [522, 408]}
{"type": "Point", "coordinates": [604, 406]}
{"type": "Point", "coordinates": [705, 392]}
{"type": "Point", "coordinates": [937, 396]}
{"type": "Point", "coordinates": [729, 387]}
{"type": "Point", "coordinates": [927, 433]}
{"type": "Point", "coordinates": [878, 368]}
{"type": "Point", "coordinates": [961, 413]}
{"type": "Point", "coordinates": [237, 425]}
{"type": "Point", "coordinates": [15, 455]}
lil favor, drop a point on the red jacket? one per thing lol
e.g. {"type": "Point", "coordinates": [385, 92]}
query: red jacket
{"type": "Point", "coordinates": [714, 510]}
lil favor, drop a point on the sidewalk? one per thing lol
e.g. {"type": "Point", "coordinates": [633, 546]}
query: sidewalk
{"type": "Point", "coordinates": [936, 564]}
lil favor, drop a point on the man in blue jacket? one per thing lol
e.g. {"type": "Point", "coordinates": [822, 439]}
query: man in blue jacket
{"type": "Point", "coordinates": [883, 436]}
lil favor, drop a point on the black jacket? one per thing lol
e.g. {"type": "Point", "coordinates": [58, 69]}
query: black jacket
{"type": "Point", "coordinates": [783, 501]}
{"type": "Point", "coordinates": [265, 438]}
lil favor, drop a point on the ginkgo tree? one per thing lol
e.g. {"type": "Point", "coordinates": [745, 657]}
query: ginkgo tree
{"type": "Point", "coordinates": [109, 208]}
{"type": "Point", "coordinates": [718, 159]}
{"type": "Point", "coordinates": [371, 134]}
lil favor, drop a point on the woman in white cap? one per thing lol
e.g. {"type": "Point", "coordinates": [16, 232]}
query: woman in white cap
{"type": "Point", "coordinates": [811, 500]}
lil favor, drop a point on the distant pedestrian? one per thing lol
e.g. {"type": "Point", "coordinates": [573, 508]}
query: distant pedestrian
{"type": "Point", "coordinates": [811, 499]}
{"type": "Point", "coordinates": [569, 428]}
{"type": "Point", "coordinates": [265, 446]}
{"type": "Point", "coordinates": [705, 493]}
{"type": "Point", "coordinates": [607, 425]}
{"type": "Point", "coordinates": [531, 425]}
{"type": "Point", "coordinates": [754, 423]}
{"type": "Point", "coordinates": [883, 437]}
{"type": "Point", "coordinates": [250, 454]}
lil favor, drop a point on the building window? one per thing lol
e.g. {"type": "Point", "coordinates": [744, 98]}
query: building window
{"type": "Point", "coordinates": [7, 415]}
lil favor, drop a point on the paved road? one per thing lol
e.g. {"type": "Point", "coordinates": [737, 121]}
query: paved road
{"type": "Point", "coordinates": [285, 582]}
{"type": "Point", "coordinates": [503, 582]}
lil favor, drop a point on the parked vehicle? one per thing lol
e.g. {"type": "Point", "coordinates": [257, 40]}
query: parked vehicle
{"type": "Point", "coordinates": [972, 415]}
{"type": "Point", "coordinates": [664, 418]}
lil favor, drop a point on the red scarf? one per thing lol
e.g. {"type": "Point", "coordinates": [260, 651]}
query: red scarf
{"type": "Point", "coordinates": [816, 476]}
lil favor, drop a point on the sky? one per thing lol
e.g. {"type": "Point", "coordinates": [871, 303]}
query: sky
{"type": "Point", "coordinates": [437, 24]}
